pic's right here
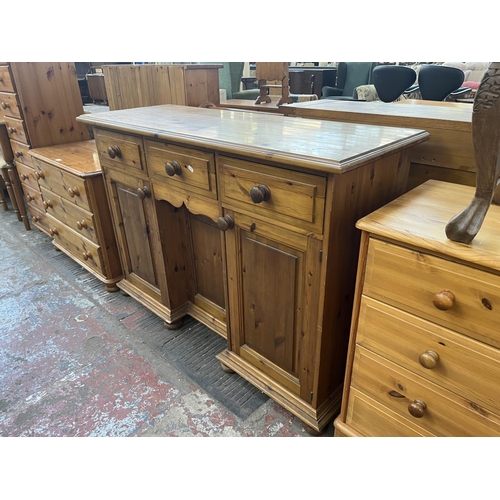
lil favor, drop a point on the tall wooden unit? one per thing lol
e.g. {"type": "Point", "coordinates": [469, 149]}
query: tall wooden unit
{"type": "Point", "coordinates": [424, 353]}
{"type": "Point", "coordinates": [247, 222]}
{"type": "Point", "coordinates": [39, 102]}
{"type": "Point", "coordinates": [134, 86]}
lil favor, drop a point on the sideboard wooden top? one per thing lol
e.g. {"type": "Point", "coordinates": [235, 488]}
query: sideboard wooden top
{"type": "Point", "coordinates": [440, 115]}
{"type": "Point", "coordinates": [322, 145]}
{"type": "Point", "coordinates": [419, 218]}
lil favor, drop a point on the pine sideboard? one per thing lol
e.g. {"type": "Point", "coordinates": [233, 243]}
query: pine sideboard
{"type": "Point", "coordinates": [246, 222]}
{"type": "Point", "coordinates": [424, 353]}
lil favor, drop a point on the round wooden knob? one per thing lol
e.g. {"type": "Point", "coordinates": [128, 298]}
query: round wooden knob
{"type": "Point", "coordinates": [35, 218]}
{"type": "Point", "coordinates": [73, 192]}
{"type": "Point", "coordinates": [173, 168]}
{"type": "Point", "coordinates": [23, 177]}
{"type": "Point", "coordinates": [53, 231]}
{"type": "Point", "coordinates": [260, 193]}
{"type": "Point", "coordinates": [429, 359]}
{"type": "Point", "coordinates": [29, 197]}
{"type": "Point", "coordinates": [82, 224]}
{"type": "Point", "coordinates": [5, 105]}
{"type": "Point", "coordinates": [18, 154]}
{"type": "Point", "coordinates": [114, 151]}
{"type": "Point", "coordinates": [12, 130]}
{"type": "Point", "coordinates": [443, 300]}
{"type": "Point", "coordinates": [417, 408]}
{"type": "Point", "coordinates": [47, 204]}
{"type": "Point", "coordinates": [225, 223]}
{"type": "Point", "coordinates": [39, 175]}
{"type": "Point", "coordinates": [143, 192]}
{"type": "Point", "coordinates": [1, 80]}
{"type": "Point", "coordinates": [86, 255]}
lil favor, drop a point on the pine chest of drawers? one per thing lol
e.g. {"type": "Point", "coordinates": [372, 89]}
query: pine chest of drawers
{"type": "Point", "coordinates": [72, 197]}
{"type": "Point", "coordinates": [424, 353]}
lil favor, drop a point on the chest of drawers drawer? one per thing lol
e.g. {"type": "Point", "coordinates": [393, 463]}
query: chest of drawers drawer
{"type": "Point", "coordinates": [39, 218]}
{"type": "Point", "coordinates": [291, 197]}
{"type": "Point", "coordinates": [20, 150]}
{"type": "Point", "coordinates": [6, 83]}
{"type": "Point", "coordinates": [9, 105]}
{"type": "Point", "coordinates": [433, 408]}
{"type": "Point", "coordinates": [33, 196]}
{"type": "Point", "coordinates": [455, 362]}
{"type": "Point", "coordinates": [182, 167]}
{"type": "Point", "coordinates": [462, 298]}
{"type": "Point", "coordinates": [78, 246]}
{"type": "Point", "coordinates": [27, 175]}
{"type": "Point", "coordinates": [117, 150]}
{"type": "Point", "coordinates": [15, 129]}
{"type": "Point", "coordinates": [62, 183]}
{"type": "Point", "coordinates": [76, 218]}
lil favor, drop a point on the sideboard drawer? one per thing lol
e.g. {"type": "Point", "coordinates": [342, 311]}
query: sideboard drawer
{"type": "Point", "coordinates": [455, 362]}
{"type": "Point", "coordinates": [15, 129]}
{"type": "Point", "coordinates": [120, 150]}
{"type": "Point", "coordinates": [5, 79]}
{"type": "Point", "coordinates": [292, 197]}
{"type": "Point", "coordinates": [62, 183]}
{"type": "Point", "coordinates": [443, 413]}
{"type": "Point", "coordinates": [414, 281]}
{"type": "Point", "coordinates": [187, 168]}
{"type": "Point", "coordinates": [9, 105]}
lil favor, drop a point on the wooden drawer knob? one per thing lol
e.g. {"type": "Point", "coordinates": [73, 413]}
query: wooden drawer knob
{"type": "Point", "coordinates": [429, 359]}
{"type": "Point", "coordinates": [417, 408]}
{"type": "Point", "coordinates": [260, 193]}
{"type": "Point", "coordinates": [23, 177]}
{"type": "Point", "coordinates": [114, 151]}
{"type": "Point", "coordinates": [86, 255]}
{"type": "Point", "coordinates": [12, 130]}
{"type": "Point", "coordinates": [225, 223]}
{"type": "Point", "coordinates": [53, 231]}
{"type": "Point", "coordinates": [143, 192]}
{"type": "Point", "coordinates": [35, 218]}
{"type": "Point", "coordinates": [18, 154]}
{"type": "Point", "coordinates": [443, 300]}
{"type": "Point", "coordinates": [73, 192]}
{"type": "Point", "coordinates": [47, 204]}
{"type": "Point", "coordinates": [173, 168]}
{"type": "Point", "coordinates": [5, 105]}
{"type": "Point", "coordinates": [39, 175]}
{"type": "Point", "coordinates": [82, 224]}
{"type": "Point", "coordinates": [29, 197]}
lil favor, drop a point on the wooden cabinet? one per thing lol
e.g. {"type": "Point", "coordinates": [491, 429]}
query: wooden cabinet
{"type": "Point", "coordinates": [248, 225]}
{"type": "Point", "coordinates": [424, 354]}
{"type": "Point", "coordinates": [39, 103]}
{"type": "Point", "coordinates": [133, 86]}
{"type": "Point", "coordinates": [71, 204]}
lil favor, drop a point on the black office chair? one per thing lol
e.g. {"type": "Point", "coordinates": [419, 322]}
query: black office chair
{"type": "Point", "coordinates": [437, 82]}
{"type": "Point", "coordinates": [392, 80]}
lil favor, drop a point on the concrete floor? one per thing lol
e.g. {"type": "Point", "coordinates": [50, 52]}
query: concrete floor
{"type": "Point", "coordinates": [75, 361]}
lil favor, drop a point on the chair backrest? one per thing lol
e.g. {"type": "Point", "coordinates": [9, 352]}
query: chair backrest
{"type": "Point", "coordinates": [230, 77]}
{"type": "Point", "coordinates": [271, 71]}
{"type": "Point", "coordinates": [353, 74]}
{"type": "Point", "coordinates": [436, 82]}
{"type": "Point", "coordinates": [392, 80]}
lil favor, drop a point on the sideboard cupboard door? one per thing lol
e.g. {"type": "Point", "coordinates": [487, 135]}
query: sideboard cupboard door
{"type": "Point", "coordinates": [269, 286]}
{"type": "Point", "coordinates": [137, 233]}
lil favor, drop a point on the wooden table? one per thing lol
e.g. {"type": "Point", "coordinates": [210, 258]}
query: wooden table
{"type": "Point", "coordinates": [249, 105]}
{"type": "Point", "coordinates": [448, 155]}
